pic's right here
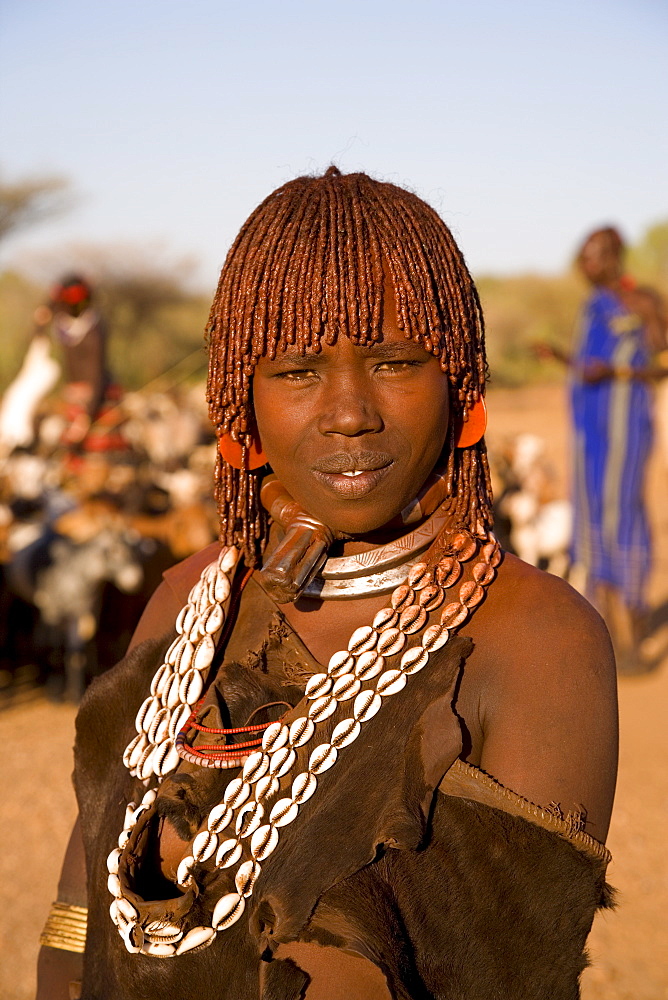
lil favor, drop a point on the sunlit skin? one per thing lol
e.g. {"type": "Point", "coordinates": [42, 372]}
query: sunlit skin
{"type": "Point", "coordinates": [352, 432]}
{"type": "Point", "coordinates": [384, 405]}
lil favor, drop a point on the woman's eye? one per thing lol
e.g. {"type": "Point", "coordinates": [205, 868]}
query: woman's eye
{"type": "Point", "coordinates": [396, 366]}
{"type": "Point", "coordinates": [298, 375]}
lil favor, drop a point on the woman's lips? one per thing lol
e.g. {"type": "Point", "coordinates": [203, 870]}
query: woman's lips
{"type": "Point", "coordinates": [354, 484]}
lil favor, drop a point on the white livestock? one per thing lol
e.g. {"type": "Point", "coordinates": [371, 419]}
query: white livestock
{"type": "Point", "coordinates": [158, 427]}
{"type": "Point", "coordinates": [540, 532]}
{"type": "Point", "coordinates": [541, 526]}
{"type": "Point", "coordinates": [38, 375]}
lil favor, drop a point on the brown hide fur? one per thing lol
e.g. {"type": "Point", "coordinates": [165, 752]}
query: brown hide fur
{"type": "Point", "coordinates": [452, 899]}
{"type": "Point", "coordinates": [493, 907]}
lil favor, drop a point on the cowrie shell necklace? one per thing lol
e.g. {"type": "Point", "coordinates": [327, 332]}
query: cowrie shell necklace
{"type": "Point", "coordinates": [244, 817]}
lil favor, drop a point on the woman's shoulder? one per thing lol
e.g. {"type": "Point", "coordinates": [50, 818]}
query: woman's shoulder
{"type": "Point", "coordinates": [546, 688]}
{"type": "Point", "coordinates": [164, 605]}
{"type": "Point", "coordinates": [181, 577]}
{"type": "Point", "coordinates": [543, 627]}
{"type": "Point", "coordinates": [524, 593]}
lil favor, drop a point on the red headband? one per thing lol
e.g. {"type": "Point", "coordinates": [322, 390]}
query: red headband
{"type": "Point", "coordinates": [71, 295]}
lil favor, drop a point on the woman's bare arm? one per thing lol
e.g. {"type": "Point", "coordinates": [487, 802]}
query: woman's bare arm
{"type": "Point", "coordinates": [58, 971]}
{"type": "Point", "coordinates": [547, 695]}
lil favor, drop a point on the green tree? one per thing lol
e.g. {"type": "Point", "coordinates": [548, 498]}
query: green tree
{"type": "Point", "coordinates": [31, 201]}
{"type": "Point", "coordinates": [648, 259]}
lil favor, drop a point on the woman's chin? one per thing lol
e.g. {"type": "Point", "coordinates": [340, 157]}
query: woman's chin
{"type": "Point", "coordinates": [360, 524]}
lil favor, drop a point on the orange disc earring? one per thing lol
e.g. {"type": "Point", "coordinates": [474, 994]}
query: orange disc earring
{"type": "Point", "coordinates": [232, 452]}
{"type": "Point", "coordinates": [470, 430]}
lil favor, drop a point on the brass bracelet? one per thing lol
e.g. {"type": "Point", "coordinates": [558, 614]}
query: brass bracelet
{"type": "Point", "coordinates": [65, 928]}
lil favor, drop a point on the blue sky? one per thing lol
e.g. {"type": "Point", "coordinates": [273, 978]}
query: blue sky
{"type": "Point", "coordinates": [524, 123]}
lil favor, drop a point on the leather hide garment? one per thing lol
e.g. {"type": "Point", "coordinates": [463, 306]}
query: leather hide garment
{"type": "Point", "coordinates": [405, 856]}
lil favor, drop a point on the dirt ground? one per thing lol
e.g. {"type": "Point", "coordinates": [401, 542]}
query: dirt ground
{"type": "Point", "coordinates": [628, 947]}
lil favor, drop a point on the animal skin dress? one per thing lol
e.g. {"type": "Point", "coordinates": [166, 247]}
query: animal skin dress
{"type": "Point", "coordinates": [410, 874]}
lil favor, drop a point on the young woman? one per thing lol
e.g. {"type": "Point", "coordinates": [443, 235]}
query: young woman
{"type": "Point", "coordinates": [354, 751]}
{"type": "Point", "coordinates": [621, 330]}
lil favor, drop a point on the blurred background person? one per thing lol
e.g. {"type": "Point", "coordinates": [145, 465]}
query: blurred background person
{"type": "Point", "coordinates": [90, 394]}
{"type": "Point", "coordinates": [622, 328]}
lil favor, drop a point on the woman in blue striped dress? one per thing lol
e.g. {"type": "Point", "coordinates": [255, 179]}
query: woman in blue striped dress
{"type": "Point", "coordinates": [621, 326]}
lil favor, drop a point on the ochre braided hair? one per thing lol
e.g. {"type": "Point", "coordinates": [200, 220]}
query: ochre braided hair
{"type": "Point", "coordinates": [309, 265]}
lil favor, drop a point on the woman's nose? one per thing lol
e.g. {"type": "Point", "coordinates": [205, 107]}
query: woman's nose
{"type": "Point", "coordinates": [350, 410]}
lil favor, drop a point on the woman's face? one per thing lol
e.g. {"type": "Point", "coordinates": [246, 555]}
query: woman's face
{"type": "Point", "coordinates": [353, 432]}
{"type": "Point", "coordinates": [600, 259]}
